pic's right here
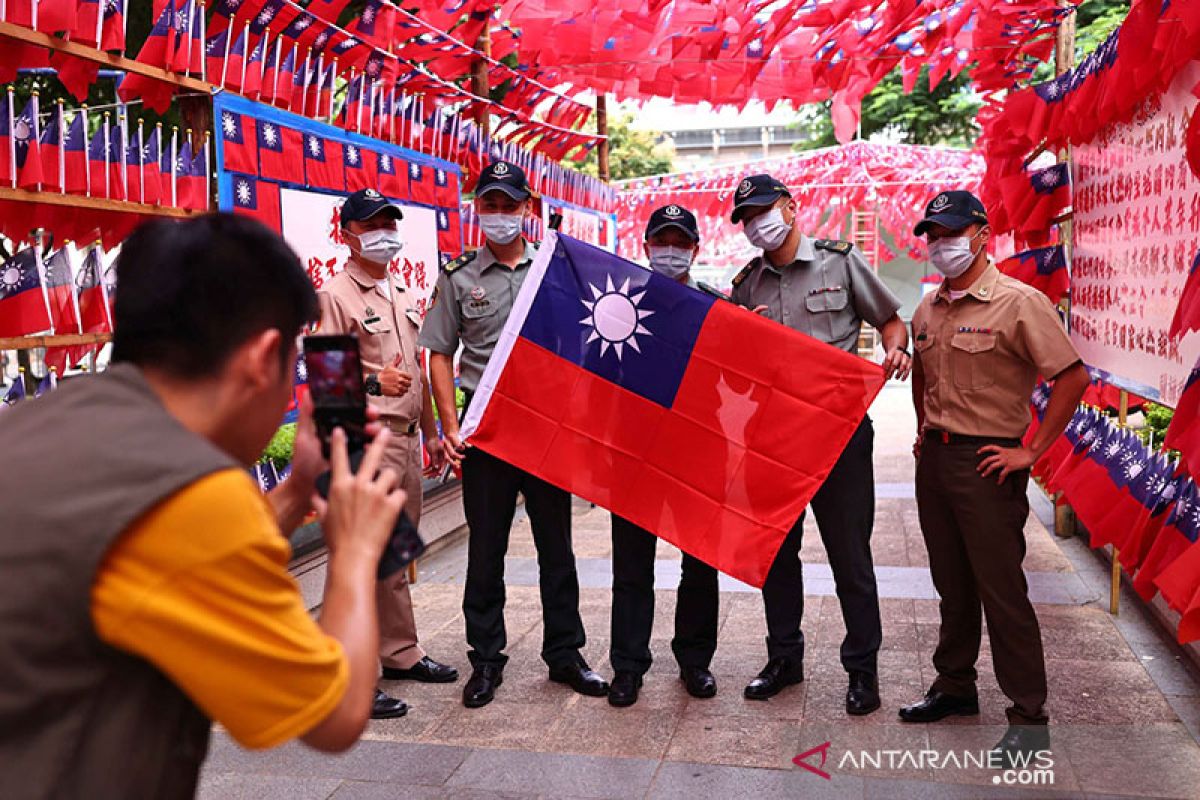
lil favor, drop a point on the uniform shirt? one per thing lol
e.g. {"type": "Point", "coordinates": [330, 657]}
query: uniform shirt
{"type": "Point", "coordinates": [352, 302]}
{"type": "Point", "coordinates": [199, 588]}
{"type": "Point", "coordinates": [474, 296]}
{"type": "Point", "coordinates": [823, 293]}
{"type": "Point", "coordinates": [980, 355]}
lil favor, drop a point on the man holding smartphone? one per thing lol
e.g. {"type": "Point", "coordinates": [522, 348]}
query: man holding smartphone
{"type": "Point", "coordinates": [366, 301]}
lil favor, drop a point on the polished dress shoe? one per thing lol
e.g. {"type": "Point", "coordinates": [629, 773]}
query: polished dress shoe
{"type": "Point", "coordinates": [481, 687]}
{"type": "Point", "coordinates": [580, 677]}
{"type": "Point", "coordinates": [624, 689]}
{"type": "Point", "coordinates": [385, 707]}
{"type": "Point", "coordinates": [699, 681]}
{"type": "Point", "coordinates": [778, 674]}
{"type": "Point", "coordinates": [939, 705]}
{"type": "Point", "coordinates": [863, 695]}
{"type": "Point", "coordinates": [1020, 745]}
{"type": "Point", "coordinates": [426, 671]}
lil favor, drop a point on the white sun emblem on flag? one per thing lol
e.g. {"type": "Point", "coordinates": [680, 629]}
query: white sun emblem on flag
{"type": "Point", "coordinates": [321, 39]}
{"type": "Point", "coordinates": [615, 317]}
{"type": "Point", "coordinates": [368, 15]}
{"type": "Point", "coordinates": [11, 277]}
{"type": "Point", "coordinates": [270, 135]}
{"type": "Point", "coordinates": [352, 154]}
{"type": "Point", "coordinates": [385, 163]}
{"type": "Point", "coordinates": [243, 193]}
{"type": "Point", "coordinates": [1049, 178]}
{"type": "Point", "coordinates": [314, 147]}
{"type": "Point", "coordinates": [229, 124]}
{"type": "Point", "coordinates": [266, 15]}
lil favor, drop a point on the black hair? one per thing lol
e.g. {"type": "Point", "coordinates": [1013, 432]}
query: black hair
{"type": "Point", "coordinates": [190, 293]}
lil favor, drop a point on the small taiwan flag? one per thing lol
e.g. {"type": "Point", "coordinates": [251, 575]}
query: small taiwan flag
{"type": "Point", "coordinates": [258, 199]}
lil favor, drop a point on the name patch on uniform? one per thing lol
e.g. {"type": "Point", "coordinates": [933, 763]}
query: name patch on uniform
{"type": "Point", "coordinates": [970, 329]}
{"type": "Point", "coordinates": [824, 289]}
{"type": "Point", "coordinates": [371, 320]}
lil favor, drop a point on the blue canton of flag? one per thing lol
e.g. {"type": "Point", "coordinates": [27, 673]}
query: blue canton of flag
{"type": "Point", "coordinates": [631, 309]}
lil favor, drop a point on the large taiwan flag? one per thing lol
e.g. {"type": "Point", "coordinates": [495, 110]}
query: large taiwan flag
{"type": "Point", "coordinates": [694, 418]}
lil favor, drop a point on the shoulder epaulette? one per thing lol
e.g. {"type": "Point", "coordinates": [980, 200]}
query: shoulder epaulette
{"type": "Point", "coordinates": [745, 273]}
{"type": "Point", "coordinates": [461, 261]}
{"type": "Point", "coordinates": [834, 246]}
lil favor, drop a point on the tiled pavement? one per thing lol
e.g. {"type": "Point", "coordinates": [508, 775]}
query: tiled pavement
{"type": "Point", "coordinates": [1125, 704]}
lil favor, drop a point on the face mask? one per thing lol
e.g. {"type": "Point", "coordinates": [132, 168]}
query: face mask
{"type": "Point", "coordinates": [953, 256]}
{"type": "Point", "coordinates": [381, 246]}
{"type": "Point", "coordinates": [671, 262]}
{"type": "Point", "coordinates": [501, 228]}
{"type": "Point", "coordinates": [768, 231]}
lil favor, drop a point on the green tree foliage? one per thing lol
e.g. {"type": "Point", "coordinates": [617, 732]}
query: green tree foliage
{"type": "Point", "coordinates": [632, 153]}
{"type": "Point", "coordinates": [946, 115]}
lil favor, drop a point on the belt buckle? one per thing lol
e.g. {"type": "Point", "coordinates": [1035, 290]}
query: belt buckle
{"type": "Point", "coordinates": [945, 437]}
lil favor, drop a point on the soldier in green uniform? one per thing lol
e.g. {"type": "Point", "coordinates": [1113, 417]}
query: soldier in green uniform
{"type": "Point", "coordinates": [825, 289]}
{"type": "Point", "coordinates": [472, 301]}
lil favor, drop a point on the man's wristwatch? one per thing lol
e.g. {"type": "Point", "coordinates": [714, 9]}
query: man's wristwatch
{"type": "Point", "coordinates": [372, 385]}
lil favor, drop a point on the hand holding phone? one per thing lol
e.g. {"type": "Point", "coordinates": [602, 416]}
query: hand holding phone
{"type": "Point", "coordinates": [358, 508]}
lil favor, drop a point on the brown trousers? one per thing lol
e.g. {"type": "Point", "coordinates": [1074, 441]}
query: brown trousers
{"type": "Point", "coordinates": [398, 647]}
{"type": "Point", "coordinates": [974, 532]}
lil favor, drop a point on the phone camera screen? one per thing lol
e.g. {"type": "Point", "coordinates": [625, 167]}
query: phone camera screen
{"type": "Point", "coordinates": [335, 378]}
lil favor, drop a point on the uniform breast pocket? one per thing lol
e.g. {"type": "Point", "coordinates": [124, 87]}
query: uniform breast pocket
{"type": "Point", "coordinates": [835, 299]}
{"type": "Point", "coordinates": [478, 309]}
{"type": "Point", "coordinates": [923, 344]}
{"type": "Point", "coordinates": [375, 326]}
{"type": "Point", "coordinates": [414, 317]}
{"type": "Point", "coordinates": [972, 360]}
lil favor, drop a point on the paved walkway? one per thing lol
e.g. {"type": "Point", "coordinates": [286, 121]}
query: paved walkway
{"type": "Point", "coordinates": [1125, 704]}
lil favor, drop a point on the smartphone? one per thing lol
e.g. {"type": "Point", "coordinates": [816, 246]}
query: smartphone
{"type": "Point", "coordinates": [335, 382]}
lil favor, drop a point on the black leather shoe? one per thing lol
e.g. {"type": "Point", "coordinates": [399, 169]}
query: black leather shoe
{"type": "Point", "coordinates": [699, 681]}
{"type": "Point", "coordinates": [939, 705]}
{"type": "Point", "coordinates": [386, 707]}
{"type": "Point", "coordinates": [624, 689]}
{"type": "Point", "coordinates": [778, 674]}
{"type": "Point", "coordinates": [580, 677]}
{"type": "Point", "coordinates": [426, 671]}
{"type": "Point", "coordinates": [1020, 745]}
{"type": "Point", "coordinates": [481, 687]}
{"type": "Point", "coordinates": [863, 695]}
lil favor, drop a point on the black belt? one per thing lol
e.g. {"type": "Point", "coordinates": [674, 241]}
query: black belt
{"type": "Point", "coordinates": [945, 437]}
{"type": "Point", "coordinates": [402, 428]}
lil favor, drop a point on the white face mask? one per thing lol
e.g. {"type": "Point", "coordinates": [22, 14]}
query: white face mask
{"type": "Point", "coordinates": [670, 262]}
{"type": "Point", "coordinates": [501, 228]}
{"type": "Point", "coordinates": [380, 246]}
{"type": "Point", "coordinates": [953, 256]}
{"type": "Point", "coordinates": [767, 231]}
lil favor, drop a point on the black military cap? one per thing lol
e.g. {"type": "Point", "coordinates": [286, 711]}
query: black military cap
{"type": "Point", "coordinates": [506, 177]}
{"type": "Point", "coordinates": [954, 210]}
{"type": "Point", "coordinates": [366, 203]}
{"type": "Point", "coordinates": [676, 217]}
{"type": "Point", "coordinates": [757, 190]}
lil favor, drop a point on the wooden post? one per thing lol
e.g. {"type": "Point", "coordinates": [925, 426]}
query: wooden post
{"type": "Point", "coordinates": [1064, 62]}
{"type": "Point", "coordinates": [480, 83]}
{"type": "Point", "coordinates": [602, 129]}
{"type": "Point", "coordinates": [1114, 594]}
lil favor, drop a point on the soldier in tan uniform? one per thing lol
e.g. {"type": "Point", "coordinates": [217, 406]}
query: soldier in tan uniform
{"type": "Point", "coordinates": [364, 300]}
{"type": "Point", "coordinates": [981, 341]}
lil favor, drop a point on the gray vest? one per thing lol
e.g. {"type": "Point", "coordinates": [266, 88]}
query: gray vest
{"type": "Point", "coordinates": [79, 718]}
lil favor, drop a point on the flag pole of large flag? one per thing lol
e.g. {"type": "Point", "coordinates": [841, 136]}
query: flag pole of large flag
{"type": "Point", "coordinates": [691, 417]}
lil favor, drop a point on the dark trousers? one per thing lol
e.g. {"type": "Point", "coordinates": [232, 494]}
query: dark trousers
{"type": "Point", "coordinates": [974, 531]}
{"type": "Point", "coordinates": [845, 510]}
{"type": "Point", "coordinates": [695, 639]}
{"type": "Point", "coordinates": [490, 488]}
